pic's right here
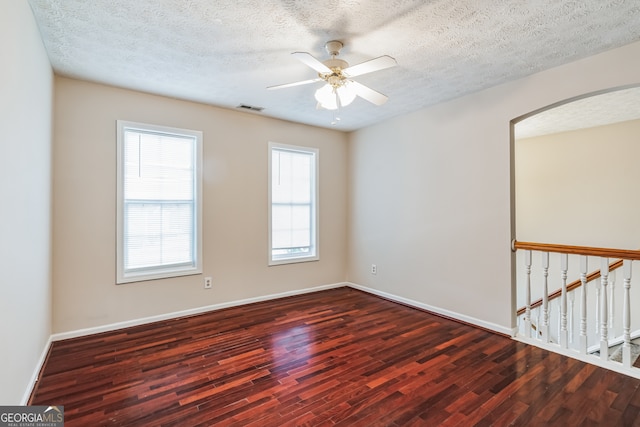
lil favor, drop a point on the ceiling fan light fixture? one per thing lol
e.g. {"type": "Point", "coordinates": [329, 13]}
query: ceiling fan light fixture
{"type": "Point", "coordinates": [326, 97]}
{"type": "Point", "coordinates": [329, 97]}
{"type": "Point", "coordinates": [347, 94]}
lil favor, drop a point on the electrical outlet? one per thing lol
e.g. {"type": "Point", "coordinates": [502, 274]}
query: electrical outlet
{"type": "Point", "coordinates": [207, 282]}
{"type": "Point", "coordinates": [374, 269]}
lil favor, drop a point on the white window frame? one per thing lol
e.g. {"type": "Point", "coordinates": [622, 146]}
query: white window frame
{"type": "Point", "coordinates": [159, 272]}
{"type": "Point", "coordinates": [314, 238]}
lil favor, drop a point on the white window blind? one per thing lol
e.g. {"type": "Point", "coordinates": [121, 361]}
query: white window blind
{"type": "Point", "coordinates": [159, 213]}
{"type": "Point", "coordinates": [293, 205]}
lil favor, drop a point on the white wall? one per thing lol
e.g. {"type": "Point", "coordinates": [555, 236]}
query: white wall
{"type": "Point", "coordinates": [235, 207]}
{"type": "Point", "coordinates": [430, 192]}
{"type": "Point", "coordinates": [25, 194]}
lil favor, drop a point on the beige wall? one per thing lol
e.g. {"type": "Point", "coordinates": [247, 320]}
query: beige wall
{"type": "Point", "coordinates": [580, 187]}
{"type": "Point", "coordinates": [235, 207]}
{"type": "Point", "coordinates": [25, 192]}
{"type": "Point", "coordinates": [430, 193]}
{"type": "Point", "coordinates": [577, 188]}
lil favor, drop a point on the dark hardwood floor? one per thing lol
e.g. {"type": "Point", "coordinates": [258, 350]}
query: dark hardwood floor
{"type": "Point", "coordinates": [337, 357]}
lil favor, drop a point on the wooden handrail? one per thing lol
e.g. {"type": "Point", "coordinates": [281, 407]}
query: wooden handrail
{"type": "Point", "coordinates": [578, 250]}
{"type": "Point", "coordinates": [571, 286]}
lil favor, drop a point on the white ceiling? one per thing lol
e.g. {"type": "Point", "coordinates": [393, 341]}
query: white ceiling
{"type": "Point", "coordinates": [598, 110]}
{"type": "Point", "coordinates": [226, 52]}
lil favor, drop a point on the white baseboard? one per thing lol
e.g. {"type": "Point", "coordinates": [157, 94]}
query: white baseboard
{"type": "Point", "coordinates": [437, 310]}
{"type": "Point", "coordinates": [587, 358]}
{"type": "Point", "coordinates": [189, 312]}
{"type": "Point", "coordinates": [36, 373]}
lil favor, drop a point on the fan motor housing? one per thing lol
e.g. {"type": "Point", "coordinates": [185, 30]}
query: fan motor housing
{"type": "Point", "coordinates": [333, 47]}
{"type": "Point", "coordinates": [336, 63]}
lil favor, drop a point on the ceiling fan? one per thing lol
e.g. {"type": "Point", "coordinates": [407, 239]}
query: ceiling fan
{"type": "Point", "coordinates": [340, 90]}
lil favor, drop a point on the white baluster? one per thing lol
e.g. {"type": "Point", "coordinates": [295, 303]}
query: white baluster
{"type": "Point", "coordinates": [564, 262]}
{"type": "Point", "coordinates": [571, 326]}
{"type": "Point", "coordinates": [559, 312]}
{"type": "Point", "coordinates": [626, 346]}
{"type": "Point", "coordinates": [612, 304]}
{"type": "Point", "coordinates": [604, 316]}
{"type": "Point", "coordinates": [583, 304]}
{"type": "Point", "coordinates": [527, 313]}
{"type": "Point", "coordinates": [597, 310]}
{"type": "Point", "coordinates": [545, 297]}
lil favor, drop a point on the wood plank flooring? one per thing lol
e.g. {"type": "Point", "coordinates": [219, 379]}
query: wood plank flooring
{"type": "Point", "coordinates": [338, 357]}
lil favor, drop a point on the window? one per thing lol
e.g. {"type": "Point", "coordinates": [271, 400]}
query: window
{"type": "Point", "coordinates": [293, 193]}
{"type": "Point", "coordinates": [159, 202]}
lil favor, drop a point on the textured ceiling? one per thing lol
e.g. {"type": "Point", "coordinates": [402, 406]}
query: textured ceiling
{"type": "Point", "coordinates": [226, 52]}
{"type": "Point", "coordinates": [597, 110]}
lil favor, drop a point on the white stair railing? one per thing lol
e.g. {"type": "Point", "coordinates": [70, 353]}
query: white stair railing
{"type": "Point", "coordinates": [550, 320]}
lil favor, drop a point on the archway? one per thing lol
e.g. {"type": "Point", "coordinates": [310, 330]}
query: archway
{"type": "Point", "coordinates": [574, 180]}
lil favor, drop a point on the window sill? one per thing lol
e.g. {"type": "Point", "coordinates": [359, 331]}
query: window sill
{"type": "Point", "coordinates": [275, 262]}
{"type": "Point", "coordinates": [166, 274]}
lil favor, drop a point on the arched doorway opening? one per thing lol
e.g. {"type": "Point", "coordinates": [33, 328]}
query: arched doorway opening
{"type": "Point", "coordinates": [574, 183]}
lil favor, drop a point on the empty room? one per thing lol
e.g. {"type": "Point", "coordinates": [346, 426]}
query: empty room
{"type": "Point", "coordinates": [267, 213]}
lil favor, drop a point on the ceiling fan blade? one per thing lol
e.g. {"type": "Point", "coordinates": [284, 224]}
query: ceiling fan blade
{"type": "Point", "coordinates": [312, 62]}
{"type": "Point", "coordinates": [303, 82]}
{"type": "Point", "coordinates": [376, 64]}
{"type": "Point", "coordinates": [369, 94]}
